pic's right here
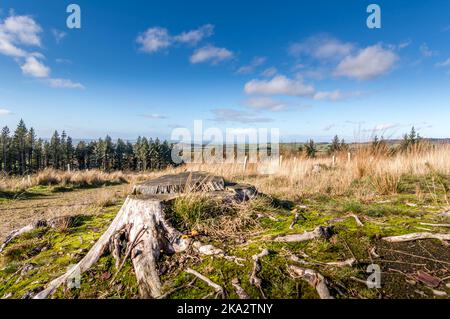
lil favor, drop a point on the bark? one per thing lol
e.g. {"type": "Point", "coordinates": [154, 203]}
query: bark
{"type": "Point", "coordinates": [149, 236]}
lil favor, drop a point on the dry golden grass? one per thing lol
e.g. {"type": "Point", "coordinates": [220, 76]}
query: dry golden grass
{"type": "Point", "coordinates": [376, 173]}
{"type": "Point", "coordinates": [51, 177]}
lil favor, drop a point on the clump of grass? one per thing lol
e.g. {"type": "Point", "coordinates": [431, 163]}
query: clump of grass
{"type": "Point", "coordinates": [194, 210]}
{"type": "Point", "coordinates": [213, 216]}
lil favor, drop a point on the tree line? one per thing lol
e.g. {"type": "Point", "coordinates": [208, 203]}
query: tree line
{"type": "Point", "coordinates": [22, 152]}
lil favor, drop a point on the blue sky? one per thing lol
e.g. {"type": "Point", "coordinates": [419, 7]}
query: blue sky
{"type": "Point", "coordinates": [310, 68]}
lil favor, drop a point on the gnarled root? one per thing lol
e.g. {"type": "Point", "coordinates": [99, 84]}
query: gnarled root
{"type": "Point", "coordinates": [219, 290]}
{"type": "Point", "coordinates": [254, 279]}
{"type": "Point", "coordinates": [239, 290]}
{"type": "Point", "coordinates": [142, 226]}
{"type": "Point", "coordinates": [312, 277]}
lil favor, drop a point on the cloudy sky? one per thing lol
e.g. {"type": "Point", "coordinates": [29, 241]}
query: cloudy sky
{"type": "Point", "coordinates": [312, 69]}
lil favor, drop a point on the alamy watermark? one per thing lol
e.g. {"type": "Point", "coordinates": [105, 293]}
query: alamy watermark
{"type": "Point", "coordinates": [74, 19]}
{"type": "Point", "coordinates": [374, 19]}
{"type": "Point", "coordinates": [214, 145]}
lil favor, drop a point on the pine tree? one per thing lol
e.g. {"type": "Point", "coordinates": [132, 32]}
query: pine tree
{"type": "Point", "coordinates": [20, 147]}
{"type": "Point", "coordinates": [55, 151]}
{"type": "Point", "coordinates": [5, 144]}
{"type": "Point", "coordinates": [311, 149]}
{"type": "Point", "coordinates": [31, 145]}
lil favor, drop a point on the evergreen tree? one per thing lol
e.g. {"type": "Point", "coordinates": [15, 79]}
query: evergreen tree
{"type": "Point", "coordinates": [311, 149]}
{"type": "Point", "coordinates": [20, 148]}
{"type": "Point", "coordinates": [5, 145]}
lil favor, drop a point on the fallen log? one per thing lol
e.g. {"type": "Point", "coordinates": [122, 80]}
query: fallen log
{"type": "Point", "coordinates": [417, 236]}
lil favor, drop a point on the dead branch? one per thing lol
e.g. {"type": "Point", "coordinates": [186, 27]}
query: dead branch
{"type": "Point", "coordinates": [16, 233]}
{"type": "Point", "coordinates": [417, 236]}
{"type": "Point", "coordinates": [435, 225]}
{"type": "Point", "coordinates": [219, 290]}
{"type": "Point", "coordinates": [312, 277]}
{"type": "Point", "coordinates": [358, 221]}
{"type": "Point", "coordinates": [210, 250]}
{"type": "Point", "coordinates": [239, 290]}
{"type": "Point", "coordinates": [319, 232]}
{"type": "Point", "coordinates": [254, 279]}
{"type": "Point", "coordinates": [346, 263]}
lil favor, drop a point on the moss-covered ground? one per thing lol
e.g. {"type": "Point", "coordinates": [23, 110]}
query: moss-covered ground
{"type": "Point", "coordinates": [34, 259]}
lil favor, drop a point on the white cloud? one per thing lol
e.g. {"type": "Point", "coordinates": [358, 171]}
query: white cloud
{"type": "Point", "coordinates": [265, 103]}
{"type": "Point", "coordinates": [194, 36]}
{"type": "Point", "coordinates": [8, 48]}
{"type": "Point", "coordinates": [33, 67]}
{"type": "Point", "coordinates": [158, 38]}
{"type": "Point", "coordinates": [279, 85]}
{"type": "Point", "coordinates": [4, 112]}
{"type": "Point", "coordinates": [22, 29]}
{"type": "Point", "coordinates": [404, 44]}
{"type": "Point", "coordinates": [444, 63]}
{"type": "Point", "coordinates": [64, 84]}
{"type": "Point", "coordinates": [256, 61]}
{"type": "Point", "coordinates": [368, 63]}
{"type": "Point", "coordinates": [58, 35]}
{"type": "Point", "coordinates": [322, 47]}
{"type": "Point", "coordinates": [154, 39]}
{"type": "Point", "coordinates": [154, 116]}
{"type": "Point", "coordinates": [336, 95]}
{"type": "Point", "coordinates": [17, 30]}
{"type": "Point", "coordinates": [269, 72]}
{"type": "Point", "coordinates": [426, 51]}
{"type": "Point", "coordinates": [384, 127]}
{"type": "Point", "coordinates": [211, 54]}
{"type": "Point", "coordinates": [231, 115]}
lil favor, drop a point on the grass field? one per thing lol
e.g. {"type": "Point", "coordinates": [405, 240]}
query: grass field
{"type": "Point", "coordinates": [389, 194]}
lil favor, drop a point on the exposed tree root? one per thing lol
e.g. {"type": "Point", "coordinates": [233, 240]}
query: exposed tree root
{"type": "Point", "coordinates": [435, 225]}
{"type": "Point", "coordinates": [18, 232]}
{"type": "Point", "coordinates": [139, 232]}
{"type": "Point", "coordinates": [219, 290]}
{"type": "Point", "coordinates": [145, 233]}
{"type": "Point", "coordinates": [417, 236]}
{"type": "Point", "coordinates": [319, 232]}
{"type": "Point", "coordinates": [312, 277]}
{"type": "Point", "coordinates": [210, 250]}
{"type": "Point", "coordinates": [346, 263]}
{"type": "Point", "coordinates": [254, 279]}
{"type": "Point", "coordinates": [53, 223]}
{"type": "Point", "coordinates": [239, 290]}
{"type": "Point", "coordinates": [358, 221]}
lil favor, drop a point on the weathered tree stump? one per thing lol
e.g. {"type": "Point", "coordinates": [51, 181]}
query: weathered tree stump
{"type": "Point", "coordinates": [142, 233]}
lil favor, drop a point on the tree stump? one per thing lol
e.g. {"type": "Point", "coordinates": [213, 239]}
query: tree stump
{"type": "Point", "coordinates": [141, 232]}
